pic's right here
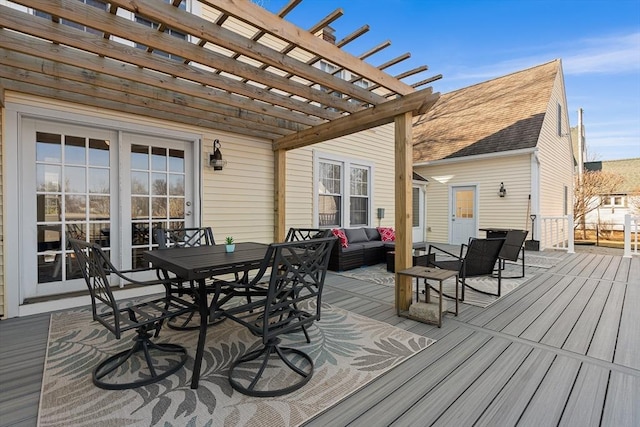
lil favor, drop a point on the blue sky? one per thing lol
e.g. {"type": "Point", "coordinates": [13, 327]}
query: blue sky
{"type": "Point", "coordinates": [471, 41]}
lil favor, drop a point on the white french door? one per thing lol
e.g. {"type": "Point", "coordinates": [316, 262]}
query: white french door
{"type": "Point", "coordinates": [105, 186]}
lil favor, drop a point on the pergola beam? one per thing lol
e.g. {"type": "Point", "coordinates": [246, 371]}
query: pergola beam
{"type": "Point", "coordinates": [417, 102]}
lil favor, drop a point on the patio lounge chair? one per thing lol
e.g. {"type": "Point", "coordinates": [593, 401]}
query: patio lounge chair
{"type": "Point", "coordinates": [478, 258]}
{"type": "Point", "coordinates": [288, 301]}
{"type": "Point", "coordinates": [125, 369]}
{"type": "Point", "coordinates": [513, 246]}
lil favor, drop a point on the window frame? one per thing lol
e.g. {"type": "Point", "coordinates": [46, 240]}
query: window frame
{"type": "Point", "coordinates": [345, 183]}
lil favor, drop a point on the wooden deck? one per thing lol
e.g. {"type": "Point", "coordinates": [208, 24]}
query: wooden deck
{"type": "Point", "coordinates": [562, 349]}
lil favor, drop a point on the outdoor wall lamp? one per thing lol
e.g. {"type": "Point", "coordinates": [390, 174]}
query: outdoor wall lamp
{"type": "Point", "coordinates": [502, 191]}
{"type": "Point", "coordinates": [215, 158]}
{"type": "Point", "coordinates": [380, 216]}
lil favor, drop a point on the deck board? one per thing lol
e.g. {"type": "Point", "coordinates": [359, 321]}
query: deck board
{"type": "Point", "coordinates": [464, 411]}
{"type": "Point", "coordinates": [604, 339]}
{"type": "Point", "coordinates": [628, 345]}
{"type": "Point", "coordinates": [584, 328]}
{"type": "Point", "coordinates": [508, 405]}
{"type": "Point", "coordinates": [622, 406]}
{"type": "Point", "coordinates": [560, 330]}
{"type": "Point", "coordinates": [548, 403]}
{"type": "Point", "coordinates": [584, 407]}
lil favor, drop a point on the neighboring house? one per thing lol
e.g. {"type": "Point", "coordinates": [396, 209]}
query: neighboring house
{"type": "Point", "coordinates": [624, 200]}
{"type": "Point", "coordinates": [99, 138]}
{"type": "Point", "coordinates": [511, 132]}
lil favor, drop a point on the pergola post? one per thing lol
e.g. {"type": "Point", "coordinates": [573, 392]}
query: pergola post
{"type": "Point", "coordinates": [403, 207]}
{"type": "Point", "coordinates": [279, 191]}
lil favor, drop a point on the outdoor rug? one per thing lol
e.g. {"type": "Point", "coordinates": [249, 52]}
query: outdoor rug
{"type": "Point", "coordinates": [534, 264]}
{"type": "Point", "coordinates": [348, 350]}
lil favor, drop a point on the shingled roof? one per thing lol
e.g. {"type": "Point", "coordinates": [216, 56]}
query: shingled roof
{"type": "Point", "coordinates": [502, 114]}
{"type": "Point", "coordinates": [629, 169]}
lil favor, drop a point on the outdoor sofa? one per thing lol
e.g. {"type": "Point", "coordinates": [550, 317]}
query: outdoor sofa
{"type": "Point", "coordinates": [358, 247]}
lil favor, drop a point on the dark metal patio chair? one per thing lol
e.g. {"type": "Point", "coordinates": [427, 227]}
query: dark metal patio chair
{"type": "Point", "coordinates": [278, 306]}
{"type": "Point", "coordinates": [478, 258]}
{"type": "Point", "coordinates": [126, 369]}
{"type": "Point", "coordinates": [513, 246]}
{"type": "Point", "coordinates": [298, 234]}
{"type": "Point", "coordinates": [184, 238]}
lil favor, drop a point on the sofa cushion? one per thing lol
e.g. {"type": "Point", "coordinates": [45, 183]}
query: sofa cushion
{"type": "Point", "coordinates": [372, 233]}
{"type": "Point", "coordinates": [339, 233]}
{"type": "Point", "coordinates": [356, 235]}
{"type": "Point", "coordinates": [387, 234]}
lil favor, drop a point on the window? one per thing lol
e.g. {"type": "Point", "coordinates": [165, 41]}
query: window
{"type": "Point", "coordinates": [565, 201]}
{"type": "Point", "coordinates": [359, 200]}
{"type": "Point", "coordinates": [95, 3]}
{"type": "Point", "coordinates": [616, 201]}
{"type": "Point", "coordinates": [344, 193]}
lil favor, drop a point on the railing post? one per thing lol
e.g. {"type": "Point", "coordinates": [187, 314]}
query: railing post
{"type": "Point", "coordinates": [627, 236]}
{"type": "Point", "coordinates": [570, 234]}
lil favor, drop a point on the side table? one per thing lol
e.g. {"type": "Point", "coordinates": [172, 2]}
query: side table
{"type": "Point", "coordinates": [430, 273]}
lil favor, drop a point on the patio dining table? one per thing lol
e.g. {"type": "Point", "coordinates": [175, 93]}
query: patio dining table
{"type": "Point", "coordinates": [200, 263]}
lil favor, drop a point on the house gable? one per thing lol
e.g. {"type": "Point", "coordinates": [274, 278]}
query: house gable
{"type": "Point", "coordinates": [499, 115]}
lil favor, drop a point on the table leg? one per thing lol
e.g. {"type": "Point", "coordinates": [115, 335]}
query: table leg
{"type": "Point", "coordinates": [203, 308]}
{"type": "Point", "coordinates": [440, 304]}
{"type": "Point", "coordinates": [456, 294]}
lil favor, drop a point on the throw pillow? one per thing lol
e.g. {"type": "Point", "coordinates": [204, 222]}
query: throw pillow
{"type": "Point", "coordinates": [356, 235]}
{"type": "Point", "coordinates": [387, 234]}
{"type": "Point", "coordinates": [341, 236]}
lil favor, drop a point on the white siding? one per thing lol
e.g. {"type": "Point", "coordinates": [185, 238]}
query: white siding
{"type": "Point", "coordinates": [493, 211]}
{"type": "Point", "coordinates": [555, 155]}
{"type": "Point", "coordinates": [374, 145]}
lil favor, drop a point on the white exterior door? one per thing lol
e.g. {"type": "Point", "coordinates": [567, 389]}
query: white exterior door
{"type": "Point", "coordinates": [463, 214]}
{"type": "Point", "coordinates": [95, 184]}
{"type": "Point", "coordinates": [418, 214]}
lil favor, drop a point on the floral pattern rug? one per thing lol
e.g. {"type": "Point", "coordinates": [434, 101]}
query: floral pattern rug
{"type": "Point", "coordinates": [348, 351]}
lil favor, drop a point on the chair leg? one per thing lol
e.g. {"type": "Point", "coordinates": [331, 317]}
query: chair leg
{"type": "Point", "coordinates": [145, 345]}
{"type": "Point", "coordinates": [246, 370]}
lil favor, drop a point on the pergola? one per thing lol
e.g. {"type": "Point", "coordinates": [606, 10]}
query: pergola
{"type": "Point", "coordinates": [218, 77]}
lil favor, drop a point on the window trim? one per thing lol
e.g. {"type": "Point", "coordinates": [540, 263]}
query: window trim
{"type": "Point", "coordinates": [346, 164]}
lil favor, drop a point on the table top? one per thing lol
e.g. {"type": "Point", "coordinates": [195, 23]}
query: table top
{"type": "Point", "coordinates": [201, 262]}
{"type": "Point", "coordinates": [428, 273]}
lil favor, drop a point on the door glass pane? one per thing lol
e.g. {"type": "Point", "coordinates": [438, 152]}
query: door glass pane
{"type": "Point", "coordinates": [64, 181]}
{"type": "Point", "coordinates": [464, 204]}
{"type": "Point", "coordinates": [157, 195]}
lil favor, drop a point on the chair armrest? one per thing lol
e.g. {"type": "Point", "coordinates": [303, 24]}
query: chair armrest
{"type": "Point", "coordinates": [443, 251]}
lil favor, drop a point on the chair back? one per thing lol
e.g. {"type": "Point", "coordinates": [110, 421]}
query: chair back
{"type": "Point", "coordinates": [296, 272]}
{"type": "Point", "coordinates": [95, 266]}
{"type": "Point", "coordinates": [513, 244]}
{"type": "Point", "coordinates": [298, 234]}
{"type": "Point", "coordinates": [184, 237]}
{"type": "Point", "coordinates": [481, 256]}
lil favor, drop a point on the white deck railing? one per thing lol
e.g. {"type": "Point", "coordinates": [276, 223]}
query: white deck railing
{"type": "Point", "coordinates": [556, 232]}
{"type": "Point", "coordinates": [631, 228]}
